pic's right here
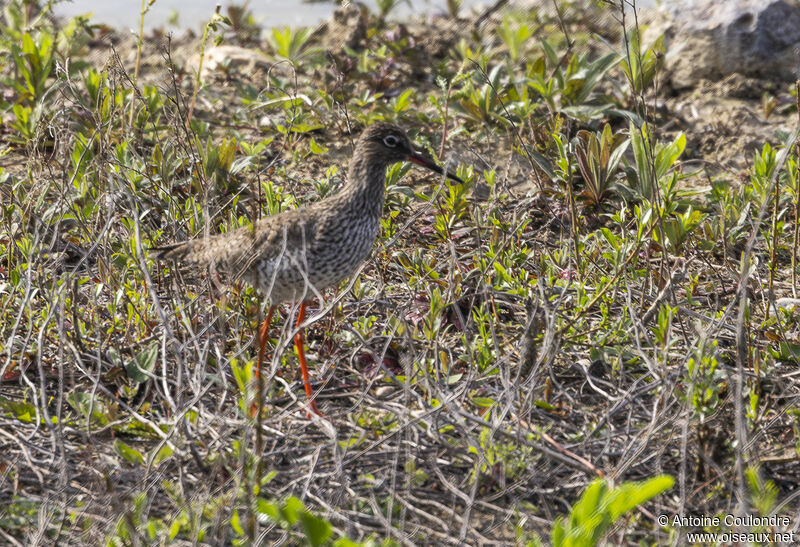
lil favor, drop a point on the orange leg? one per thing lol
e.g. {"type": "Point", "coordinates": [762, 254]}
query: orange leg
{"type": "Point", "coordinates": [262, 349]}
{"type": "Point", "coordinates": [298, 342]}
{"type": "Point", "coordinates": [262, 339]}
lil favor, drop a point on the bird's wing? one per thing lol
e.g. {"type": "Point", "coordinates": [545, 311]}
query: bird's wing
{"type": "Point", "coordinates": [235, 253]}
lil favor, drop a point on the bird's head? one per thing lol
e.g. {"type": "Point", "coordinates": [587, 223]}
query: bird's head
{"type": "Point", "coordinates": [388, 143]}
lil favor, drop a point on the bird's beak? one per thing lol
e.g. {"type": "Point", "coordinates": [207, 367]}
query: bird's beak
{"type": "Point", "coordinates": [419, 159]}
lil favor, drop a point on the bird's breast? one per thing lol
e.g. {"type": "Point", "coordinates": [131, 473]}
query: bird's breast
{"type": "Point", "coordinates": [329, 255]}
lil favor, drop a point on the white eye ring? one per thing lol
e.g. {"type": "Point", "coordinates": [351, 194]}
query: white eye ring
{"type": "Point", "coordinates": [391, 141]}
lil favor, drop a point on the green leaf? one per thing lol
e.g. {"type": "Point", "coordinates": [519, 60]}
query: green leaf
{"type": "Point", "coordinates": [21, 410]}
{"type": "Point", "coordinates": [163, 453]}
{"type": "Point", "coordinates": [317, 529]}
{"type": "Point", "coordinates": [128, 452]}
{"type": "Point", "coordinates": [174, 529]}
{"type": "Point", "coordinates": [558, 536]}
{"type": "Point", "coordinates": [236, 523]}
{"type": "Point", "coordinates": [269, 509]}
{"type": "Point", "coordinates": [292, 510]}
{"type": "Point", "coordinates": [669, 154]}
{"type": "Point", "coordinates": [454, 379]}
{"type": "Point", "coordinates": [552, 57]}
{"type": "Point", "coordinates": [140, 368]}
{"type": "Point", "coordinates": [632, 494]}
{"type": "Point", "coordinates": [594, 73]}
{"type": "Point", "coordinates": [266, 479]}
{"type": "Point", "coordinates": [403, 101]}
{"type": "Point", "coordinates": [787, 351]}
{"type": "Point", "coordinates": [543, 163]}
{"type": "Point", "coordinates": [600, 506]}
{"type": "Point", "coordinates": [502, 272]}
{"type": "Point", "coordinates": [610, 238]}
{"type": "Point", "coordinates": [317, 148]}
{"type": "Point", "coordinates": [85, 403]}
{"type": "Point", "coordinates": [243, 374]}
{"type": "Point", "coordinates": [640, 140]}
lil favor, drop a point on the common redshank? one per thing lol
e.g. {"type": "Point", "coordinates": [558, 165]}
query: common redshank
{"type": "Point", "coordinates": [301, 252]}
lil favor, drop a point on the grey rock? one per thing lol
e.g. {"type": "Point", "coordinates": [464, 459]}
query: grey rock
{"type": "Point", "coordinates": [712, 39]}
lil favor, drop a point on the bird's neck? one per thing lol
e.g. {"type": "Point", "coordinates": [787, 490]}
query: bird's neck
{"type": "Point", "coordinates": [365, 184]}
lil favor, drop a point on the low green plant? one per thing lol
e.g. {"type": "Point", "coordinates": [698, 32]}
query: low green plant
{"type": "Point", "coordinates": [600, 506]}
{"type": "Point", "coordinates": [480, 100]}
{"type": "Point", "coordinates": [598, 157]}
{"type": "Point", "coordinates": [291, 44]}
{"type": "Point", "coordinates": [677, 227]}
{"type": "Point", "coordinates": [398, 196]}
{"type": "Point", "coordinates": [26, 123]}
{"type": "Point", "coordinates": [567, 87]}
{"type": "Point", "coordinates": [102, 99]}
{"type": "Point", "coordinates": [653, 160]}
{"type": "Point", "coordinates": [483, 349]}
{"type": "Point", "coordinates": [197, 520]}
{"type": "Point", "coordinates": [705, 380]}
{"type": "Point", "coordinates": [244, 23]}
{"type": "Point", "coordinates": [764, 494]}
{"type": "Point", "coordinates": [504, 459]}
{"type": "Point", "coordinates": [291, 515]}
{"type": "Point", "coordinates": [275, 199]}
{"type": "Point", "coordinates": [729, 223]}
{"type": "Point", "coordinates": [764, 164]}
{"type": "Point", "coordinates": [453, 209]}
{"type": "Point", "coordinates": [481, 56]}
{"type": "Point", "coordinates": [515, 34]}
{"type": "Point", "coordinates": [33, 59]}
{"type": "Point", "coordinates": [17, 19]}
{"type": "Point", "coordinates": [640, 68]}
{"type": "Point", "coordinates": [419, 268]}
{"type": "Point", "coordinates": [218, 162]}
{"type": "Point", "coordinates": [432, 320]}
{"type": "Point", "coordinates": [662, 329]}
{"type": "Point", "coordinates": [369, 107]}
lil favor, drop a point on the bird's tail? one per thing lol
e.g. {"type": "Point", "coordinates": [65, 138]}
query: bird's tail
{"type": "Point", "coordinates": [187, 251]}
{"type": "Point", "coordinates": [201, 250]}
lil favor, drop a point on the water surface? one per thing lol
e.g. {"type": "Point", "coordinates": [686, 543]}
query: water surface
{"type": "Point", "coordinates": [268, 13]}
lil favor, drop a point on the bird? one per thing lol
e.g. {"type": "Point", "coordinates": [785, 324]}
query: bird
{"type": "Point", "coordinates": [301, 252]}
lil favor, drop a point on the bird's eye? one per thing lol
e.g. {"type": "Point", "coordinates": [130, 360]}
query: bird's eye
{"type": "Point", "coordinates": [391, 141]}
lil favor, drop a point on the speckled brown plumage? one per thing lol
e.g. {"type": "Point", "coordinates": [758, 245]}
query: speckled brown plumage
{"type": "Point", "coordinates": [298, 253]}
{"type": "Point", "coordinates": [321, 244]}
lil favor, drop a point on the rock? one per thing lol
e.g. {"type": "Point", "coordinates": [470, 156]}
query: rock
{"type": "Point", "coordinates": [756, 38]}
{"type": "Point", "coordinates": [788, 303]}
{"type": "Point", "coordinates": [229, 58]}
